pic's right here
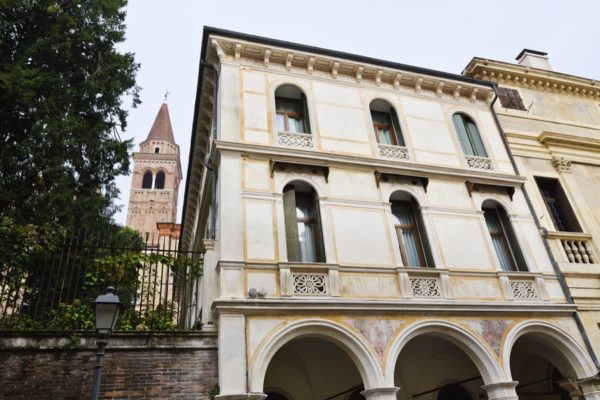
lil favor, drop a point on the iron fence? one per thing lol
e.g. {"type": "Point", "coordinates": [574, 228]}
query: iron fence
{"type": "Point", "coordinates": [51, 287]}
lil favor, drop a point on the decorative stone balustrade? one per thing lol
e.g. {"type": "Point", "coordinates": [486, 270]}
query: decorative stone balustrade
{"type": "Point", "coordinates": [394, 152]}
{"type": "Point", "coordinates": [482, 163]}
{"type": "Point", "coordinates": [577, 247]}
{"type": "Point", "coordinates": [579, 251]}
{"type": "Point", "coordinates": [301, 140]}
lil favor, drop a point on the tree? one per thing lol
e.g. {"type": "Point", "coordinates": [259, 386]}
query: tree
{"type": "Point", "coordinates": [62, 84]}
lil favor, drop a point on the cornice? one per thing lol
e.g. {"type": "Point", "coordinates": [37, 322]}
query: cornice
{"type": "Point", "coordinates": [532, 78]}
{"type": "Point", "coordinates": [574, 142]}
{"type": "Point", "coordinates": [405, 168]}
{"type": "Point", "coordinates": [234, 50]}
{"type": "Point", "coordinates": [354, 306]}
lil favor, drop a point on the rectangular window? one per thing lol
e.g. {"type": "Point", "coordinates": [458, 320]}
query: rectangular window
{"type": "Point", "coordinates": [510, 98]}
{"type": "Point", "coordinates": [558, 206]}
{"type": "Point", "coordinates": [157, 150]}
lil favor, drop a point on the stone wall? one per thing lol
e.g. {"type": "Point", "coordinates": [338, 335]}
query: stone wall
{"type": "Point", "coordinates": [43, 365]}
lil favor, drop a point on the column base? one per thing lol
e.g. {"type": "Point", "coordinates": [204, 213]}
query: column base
{"type": "Point", "coordinates": [241, 396]}
{"type": "Point", "coordinates": [388, 393]}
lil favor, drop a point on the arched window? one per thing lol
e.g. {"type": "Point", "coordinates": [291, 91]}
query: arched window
{"type": "Point", "coordinates": [503, 237]}
{"type": "Point", "coordinates": [412, 237]}
{"type": "Point", "coordinates": [468, 135]}
{"type": "Point", "coordinates": [385, 123]}
{"type": "Point", "coordinates": [303, 234]}
{"type": "Point", "coordinates": [292, 111]}
{"type": "Point", "coordinates": [147, 180]}
{"type": "Point", "coordinates": [160, 181]}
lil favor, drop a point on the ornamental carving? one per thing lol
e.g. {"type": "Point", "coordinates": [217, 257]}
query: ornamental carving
{"type": "Point", "coordinates": [425, 287]}
{"type": "Point", "coordinates": [310, 284]}
{"type": "Point", "coordinates": [479, 163]}
{"type": "Point", "coordinates": [523, 290]}
{"type": "Point", "coordinates": [301, 140]}
{"type": "Point", "coordinates": [395, 152]}
{"type": "Point", "coordinates": [561, 164]}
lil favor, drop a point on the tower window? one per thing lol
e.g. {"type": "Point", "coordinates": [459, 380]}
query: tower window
{"type": "Point", "coordinates": [156, 150]}
{"type": "Point", "coordinates": [147, 180]}
{"type": "Point", "coordinates": [160, 181]}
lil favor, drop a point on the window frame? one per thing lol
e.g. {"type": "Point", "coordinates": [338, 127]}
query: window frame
{"type": "Point", "coordinates": [508, 236]}
{"type": "Point", "coordinates": [164, 175]}
{"type": "Point", "coordinates": [469, 136]}
{"type": "Point", "coordinates": [421, 239]}
{"type": "Point", "coordinates": [288, 114]}
{"type": "Point", "coordinates": [291, 222]}
{"type": "Point", "coordinates": [562, 204]}
{"type": "Point", "coordinates": [394, 125]}
{"type": "Point", "coordinates": [303, 101]}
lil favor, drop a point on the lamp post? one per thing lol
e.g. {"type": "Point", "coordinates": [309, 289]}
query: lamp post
{"type": "Point", "coordinates": [106, 311]}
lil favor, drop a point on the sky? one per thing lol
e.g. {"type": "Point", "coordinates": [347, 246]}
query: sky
{"type": "Point", "coordinates": [166, 35]}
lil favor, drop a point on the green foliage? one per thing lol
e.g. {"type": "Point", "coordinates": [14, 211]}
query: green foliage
{"type": "Point", "coordinates": [213, 392]}
{"type": "Point", "coordinates": [62, 84]}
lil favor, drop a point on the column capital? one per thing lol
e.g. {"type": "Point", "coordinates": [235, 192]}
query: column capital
{"type": "Point", "coordinates": [590, 387]}
{"type": "Point", "coordinates": [388, 393]}
{"type": "Point", "coordinates": [209, 244]}
{"type": "Point", "coordinates": [502, 390]}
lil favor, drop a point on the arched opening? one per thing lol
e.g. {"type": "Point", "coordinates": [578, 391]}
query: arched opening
{"type": "Point", "coordinates": [540, 369]}
{"type": "Point", "coordinates": [503, 237]}
{"type": "Point", "coordinates": [385, 123]}
{"type": "Point", "coordinates": [160, 181]}
{"type": "Point", "coordinates": [410, 231]}
{"type": "Point", "coordinates": [304, 238]}
{"type": "Point", "coordinates": [431, 367]}
{"type": "Point", "coordinates": [312, 368]}
{"type": "Point", "coordinates": [468, 135]}
{"type": "Point", "coordinates": [147, 180]}
{"type": "Point", "coordinates": [291, 110]}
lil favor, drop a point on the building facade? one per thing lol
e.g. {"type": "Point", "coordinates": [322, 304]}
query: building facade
{"type": "Point", "coordinates": [367, 235]}
{"type": "Point", "coordinates": [552, 122]}
{"type": "Point", "coordinates": [155, 183]}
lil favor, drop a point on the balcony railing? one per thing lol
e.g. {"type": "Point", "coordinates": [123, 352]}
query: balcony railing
{"type": "Point", "coordinates": [575, 247]}
{"type": "Point", "coordinates": [301, 140]}
{"type": "Point", "coordinates": [394, 152]}
{"type": "Point", "coordinates": [482, 163]}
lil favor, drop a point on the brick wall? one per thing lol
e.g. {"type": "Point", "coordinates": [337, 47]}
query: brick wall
{"type": "Point", "coordinates": [137, 366]}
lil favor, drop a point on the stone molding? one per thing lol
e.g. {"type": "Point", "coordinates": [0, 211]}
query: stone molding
{"type": "Point", "coordinates": [257, 55]}
{"type": "Point", "coordinates": [561, 164]}
{"type": "Point", "coordinates": [529, 77]}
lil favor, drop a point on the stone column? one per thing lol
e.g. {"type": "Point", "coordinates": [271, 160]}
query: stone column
{"type": "Point", "coordinates": [209, 284]}
{"type": "Point", "coordinates": [232, 357]}
{"type": "Point", "coordinates": [388, 393]}
{"type": "Point", "coordinates": [501, 391]}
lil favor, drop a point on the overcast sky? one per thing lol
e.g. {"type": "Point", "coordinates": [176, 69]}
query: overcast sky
{"type": "Point", "coordinates": [166, 35]}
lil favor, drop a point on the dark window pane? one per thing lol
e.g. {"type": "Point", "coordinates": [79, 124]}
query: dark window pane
{"type": "Point", "coordinates": [147, 181]}
{"type": "Point", "coordinates": [558, 205]}
{"type": "Point", "coordinates": [160, 181]}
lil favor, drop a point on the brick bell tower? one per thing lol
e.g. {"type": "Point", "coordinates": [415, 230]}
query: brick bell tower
{"type": "Point", "coordinates": [155, 182]}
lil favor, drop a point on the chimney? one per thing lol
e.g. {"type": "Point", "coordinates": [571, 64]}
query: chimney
{"type": "Point", "coordinates": [534, 59]}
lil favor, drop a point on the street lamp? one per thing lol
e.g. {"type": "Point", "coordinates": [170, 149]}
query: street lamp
{"type": "Point", "coordinates": [106, 311]}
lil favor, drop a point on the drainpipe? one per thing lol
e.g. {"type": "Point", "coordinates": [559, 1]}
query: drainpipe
{"type": "Point", "coordinates": [557, 271]}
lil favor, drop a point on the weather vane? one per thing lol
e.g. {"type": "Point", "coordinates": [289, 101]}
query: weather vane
{"type": "Point", "coordinates": [167, 93]}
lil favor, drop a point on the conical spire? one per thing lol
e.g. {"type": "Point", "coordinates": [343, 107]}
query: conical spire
{"type": "Point", "coordinates": [161, 129]}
